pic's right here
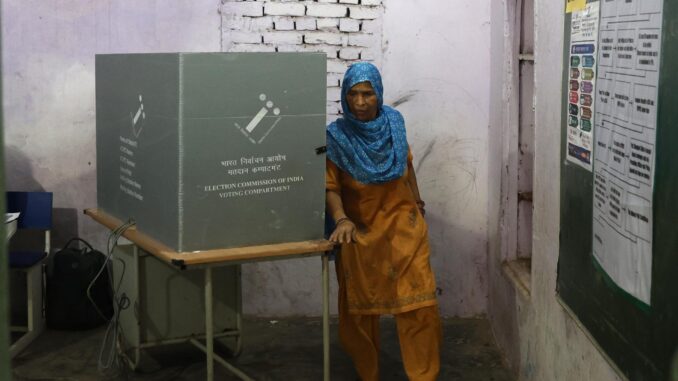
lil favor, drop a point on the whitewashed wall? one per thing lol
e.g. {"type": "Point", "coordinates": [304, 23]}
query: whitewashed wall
{"type": "Point", "coordinates": [435, 60]}
{"type": "Point", "coordinates": [437, 70]}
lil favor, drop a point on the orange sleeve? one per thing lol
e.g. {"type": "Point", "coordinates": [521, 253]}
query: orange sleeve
{"type": "Point", "coordinates": [332, 177]}
{"type": "Point", "coordinates": [409, 156]}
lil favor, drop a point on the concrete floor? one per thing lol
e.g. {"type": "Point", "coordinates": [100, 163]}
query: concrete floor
{"type": "Point", "coordinates": [273, 350]}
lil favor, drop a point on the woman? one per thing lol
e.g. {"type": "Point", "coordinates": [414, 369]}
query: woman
{"type": "Point", "coordinates": [383, 267]}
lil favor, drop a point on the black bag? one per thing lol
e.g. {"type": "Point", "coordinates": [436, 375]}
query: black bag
{"type": "Point", "coordinates": [69, 273]}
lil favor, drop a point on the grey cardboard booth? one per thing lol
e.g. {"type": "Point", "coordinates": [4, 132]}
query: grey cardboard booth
{"type": "Point", "coordinates": [213, 150]}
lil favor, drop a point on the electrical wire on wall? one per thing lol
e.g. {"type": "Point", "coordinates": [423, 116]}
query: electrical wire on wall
{"type": "Point", "coordinates": [109, 361]}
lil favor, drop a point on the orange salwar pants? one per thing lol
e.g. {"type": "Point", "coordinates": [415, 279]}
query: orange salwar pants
{"type": "Point", "coordinates": [419, 333]}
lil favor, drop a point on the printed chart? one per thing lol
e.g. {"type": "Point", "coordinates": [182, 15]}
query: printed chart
{"type": "Point", "coordinates": [582, 85]}
{"type": "Point", "coordinates": [625, 135]}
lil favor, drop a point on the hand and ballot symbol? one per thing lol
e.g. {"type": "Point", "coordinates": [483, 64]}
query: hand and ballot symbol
{"type": "Point", "coordinates": [138, 118]}
{"type": "Point", "coordinates": [261, 124]}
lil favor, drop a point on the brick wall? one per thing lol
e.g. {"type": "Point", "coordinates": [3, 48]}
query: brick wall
{"type": "Point", "coordinates": [345, 30]}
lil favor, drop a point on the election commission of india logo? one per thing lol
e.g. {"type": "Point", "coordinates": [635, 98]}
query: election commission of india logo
{"type": "Point", "coordinates": [263, 122]}
{"type": "Point", "coordinates": [138, 118]}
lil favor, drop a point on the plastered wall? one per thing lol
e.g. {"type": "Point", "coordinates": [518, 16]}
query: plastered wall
{"type": "Point", "coordinates": [436, 69]}
{"type": "Point", "coordinates": [435, 72]}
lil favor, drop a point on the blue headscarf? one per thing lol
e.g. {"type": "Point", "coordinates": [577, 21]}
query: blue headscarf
{"type": "Point", "coordinates": [371, 152]}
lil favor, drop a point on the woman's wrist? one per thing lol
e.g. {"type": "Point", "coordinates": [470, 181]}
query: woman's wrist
{"type": "Point", "coordinates": [340, 220]}
{"type": "Point", "coordinates": [420, 206]}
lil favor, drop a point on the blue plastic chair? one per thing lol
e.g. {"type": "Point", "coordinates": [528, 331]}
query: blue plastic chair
{"type": "Point", "coordinates": [36, 215]}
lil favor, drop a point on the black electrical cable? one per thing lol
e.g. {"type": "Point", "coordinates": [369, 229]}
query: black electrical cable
{"type": "Point", "coordinates": [108, 359]}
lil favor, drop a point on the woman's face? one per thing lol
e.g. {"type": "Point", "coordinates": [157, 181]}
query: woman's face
{"type": "Point", "coordinates": [363, 102]}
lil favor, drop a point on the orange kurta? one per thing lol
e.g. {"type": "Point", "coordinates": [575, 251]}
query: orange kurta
{"type": "Point", "coordinates": [387, 271]}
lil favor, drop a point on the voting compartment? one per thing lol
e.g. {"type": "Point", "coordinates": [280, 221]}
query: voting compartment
{"type": "Point", "coordinates": [213, 150]}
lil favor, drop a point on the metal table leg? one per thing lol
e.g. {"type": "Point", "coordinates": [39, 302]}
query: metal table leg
{"type": "Point", "coordinates": [137, 287]}
{"type": "Point", "coordinates": [209, 324]}
{"type": "Point", "coordinates": [239, 373]}
{"type": "Point", "coordinates": [208, 348]}
{"type": "Point", "coordinates": [238, 315]}
{"type": "Point", "coordinates": [326, 317]}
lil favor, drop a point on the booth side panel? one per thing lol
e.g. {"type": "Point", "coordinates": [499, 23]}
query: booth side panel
{"type": "Point", "coordinates": [251, 126]}
{"type": "Point", "coordinates": [137, 139]}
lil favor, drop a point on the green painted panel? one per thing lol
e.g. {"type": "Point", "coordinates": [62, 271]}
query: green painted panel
{"type": "Point", "coordinates": [137, 140]}
{"type": "Point", "coordinates": [289, 203]}
{"type": "Point", "coordinates": [640, 340]}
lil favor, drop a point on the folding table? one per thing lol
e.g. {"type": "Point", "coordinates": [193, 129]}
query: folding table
{"type": "Point", "coordinates": [206, 260]}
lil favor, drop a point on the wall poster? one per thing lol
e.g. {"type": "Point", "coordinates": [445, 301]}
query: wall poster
{"type": "Point", "coordinates": [625, 135]}
{"type": "Point", "coordinates": [582, 85]}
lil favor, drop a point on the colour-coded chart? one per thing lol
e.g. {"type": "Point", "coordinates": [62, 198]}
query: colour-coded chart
{"type": "Point", "coordinates": [582, 84]}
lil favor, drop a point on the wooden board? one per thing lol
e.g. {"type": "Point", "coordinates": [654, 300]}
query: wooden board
{"type": "Point", "coordinates": [212, 257]}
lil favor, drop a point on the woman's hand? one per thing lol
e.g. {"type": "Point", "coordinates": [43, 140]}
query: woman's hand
{"type": "Point", "coordinates": [420, 205]}
{"type": "Point", "coordinates": [345, 232]}
{"type": "Point", "coordinates": [412, 180]}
